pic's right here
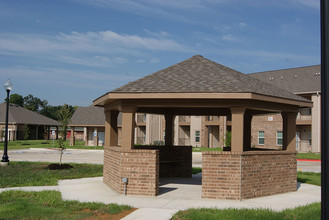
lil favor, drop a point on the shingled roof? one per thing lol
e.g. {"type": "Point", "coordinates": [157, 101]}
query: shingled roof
{"type": "Point", "coordinates": [91, 115]}
{"type": "Point", "coordinates": [20, 115]}
{"type": "Point", "coordinates": [200, 75]}
{"type": "Point", "coordinates": [296, 80]}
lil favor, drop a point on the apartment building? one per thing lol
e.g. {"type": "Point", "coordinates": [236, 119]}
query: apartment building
{"type": "Point", "coordinates": [303, 81]}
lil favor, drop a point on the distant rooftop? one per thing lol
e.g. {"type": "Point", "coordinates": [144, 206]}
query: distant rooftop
{"type": "Point", "coordinates": [91, 115]}
{"type": "Point", "coordinates": [20, 115]}
{"type": "Point", "coordinates": [296, 80]}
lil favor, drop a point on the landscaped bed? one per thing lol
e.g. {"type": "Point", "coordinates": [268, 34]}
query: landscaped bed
{"type": "Point", "coordinates": [49, 205]}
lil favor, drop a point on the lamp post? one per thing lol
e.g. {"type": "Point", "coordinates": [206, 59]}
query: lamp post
{"type": "Point", "coordinates": [5, 158]}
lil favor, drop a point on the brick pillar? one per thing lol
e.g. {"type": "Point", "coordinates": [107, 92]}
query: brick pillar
{"type": "Point", "coordinates": [169, 136]}
{"type": "Point", "coordinates": [128, 127]}
{"type": "Point", "coordinates": [237, 128]}
{"type": "Point", "coordinates": [247, 132]}
{"type": "Point", "coordinates": [72, 138]}
{"type": "Point", "coordinates": [111, 128]}
{"type": "Point", "coordinates": [289, 130]}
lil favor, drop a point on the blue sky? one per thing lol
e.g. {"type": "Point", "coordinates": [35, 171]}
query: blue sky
{"type": "Point", "coordinates": [73, 51]}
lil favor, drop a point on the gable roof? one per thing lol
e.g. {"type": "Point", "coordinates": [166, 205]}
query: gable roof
{"type": "Point", "coordinates": [200, 75]}
{"type": "Point", "coordinates": [91, 115]}
{"type": "Point", "coordinates": [20, 115]}
{"type": "Point", "coordinates": [296, 80]}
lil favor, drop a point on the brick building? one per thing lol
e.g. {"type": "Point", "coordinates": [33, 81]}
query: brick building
{"type": "Point", "coordinates": [19, 118]}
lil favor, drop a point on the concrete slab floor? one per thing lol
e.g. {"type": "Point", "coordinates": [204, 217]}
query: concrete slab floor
{"type": "Point", "coordinates": [178, 194]}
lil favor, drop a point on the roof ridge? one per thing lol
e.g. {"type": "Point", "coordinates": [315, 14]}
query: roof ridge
{"type": "Point", "coordinates": [293, 68]}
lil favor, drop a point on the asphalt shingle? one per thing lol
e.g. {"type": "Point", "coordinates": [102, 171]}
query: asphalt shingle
{"type": "Point", "coordinates": [200, 75]}
{"type": "Point", "coordinates": [20, 115]}
{"type": "Point", "coordinates": [296, 80]}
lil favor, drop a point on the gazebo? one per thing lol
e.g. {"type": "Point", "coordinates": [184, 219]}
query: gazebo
{"type": "Point", "coordinates": [198, 86]}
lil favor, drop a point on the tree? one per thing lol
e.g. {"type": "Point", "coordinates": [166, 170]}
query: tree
{"type": "Point", "coordinates": [33, 103]}
{"type": "Point", "coordinates": [50, 111]}
{"type": "Point", "coordinates": [227, 140]}
{"type": "Point", "coordinates": [26, 131]}
{"type": "Point", "coordinates": [16, 99]}
{"type": "Point", "coordinates": [64, 118]}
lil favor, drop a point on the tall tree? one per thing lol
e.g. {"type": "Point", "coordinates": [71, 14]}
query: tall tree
{"type": "Point", "coordinates": [33, 103]}
{"type": "Point", "coordinates": [16, 99]}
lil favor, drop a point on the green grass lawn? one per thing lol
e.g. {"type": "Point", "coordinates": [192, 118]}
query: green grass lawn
{"type": "Point", "coordinates": [49, 205]}
{"type": "Point", "coordinates": [196, 170]}
{"type": "Point", "coordinates": [200, 149]}
{"type": "Point", "coordinates": [309, 177]}
{"type": "Point", "coordinates": [312, 211]}
{"type": "Point", "coordinates": [312, 156]}
{"type": "Point", "coordinates": [46, 144]}
{"type": "Point", "coordinates": [38, 174]}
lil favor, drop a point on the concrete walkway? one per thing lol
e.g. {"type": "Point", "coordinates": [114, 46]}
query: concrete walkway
{"type": "Point", "coordinates": [175, 194]}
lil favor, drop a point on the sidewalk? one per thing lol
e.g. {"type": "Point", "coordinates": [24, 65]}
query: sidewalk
{"type": "Point", "coordinates": [179, 194]}
{"type": "Point", "coordinates": [175, 194]}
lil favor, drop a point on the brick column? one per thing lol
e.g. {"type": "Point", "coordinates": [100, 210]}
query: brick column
{"type": "Point", "coordinates": [169, 136]}
{"type": "Point", "coordinates": [237, 128]}
{"type": "Point", "coordinates": [128, 127]}
{"type": "Point", "coordinates": [289, 130]}
{"type": "Point", "coordinates": [111, 128]}
{"type": "Point", "coordinates": [72, 138]}
{"type": "Point", "coordinates": [247, 132]}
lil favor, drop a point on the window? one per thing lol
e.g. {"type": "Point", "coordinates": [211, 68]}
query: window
{"type": "Point", "coordinates": [279, 138]}
{"type": "Point", "coordinates": [261, 137]}
{"type": "Point", "coordinates": [197, 136]}
{"type": "Point", "coordinates": [309, 138]}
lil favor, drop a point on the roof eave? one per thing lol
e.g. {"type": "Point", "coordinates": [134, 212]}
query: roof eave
{"type": "Point", "coordinates": [111, 97]}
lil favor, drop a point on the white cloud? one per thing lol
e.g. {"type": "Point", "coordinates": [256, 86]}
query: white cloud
{"type": "Point", "coordinates": [64, 77]}
{"type": "Point", "coordinates": [160, 34]}
{"type": "Point", "coordinates": [229, 37]}
{"type": "Point", "coordinates": [242, 25]}
{"type": "Point", "coordinates": [101, 48]}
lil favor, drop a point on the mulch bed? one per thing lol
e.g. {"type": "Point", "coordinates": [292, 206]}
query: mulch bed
{"type": "Point", "coordinates": [57, 166]}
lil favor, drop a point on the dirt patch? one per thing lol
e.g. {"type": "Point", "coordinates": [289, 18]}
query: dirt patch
{"type": "Point", "coordinates": [57, 166]}
{"type": "Point", "coordinates": [100, 216]}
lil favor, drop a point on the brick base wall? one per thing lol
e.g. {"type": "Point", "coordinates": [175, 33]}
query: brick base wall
{"type": "Point", "coordinates": [174, 161]}
{"type": "Point", "coordinates": [268, 174]}
{"type": "Point", "coordinates": [141, 167]}
{"type": "Point", "coordinates": [230, 175]}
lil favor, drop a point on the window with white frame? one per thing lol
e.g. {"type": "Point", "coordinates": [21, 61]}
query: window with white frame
{"type": "Point", "coordinates": [261, 137]}
{"type": "Point", "coordinates": [309, 138]}
{"type": "Point", "coordinates": [279, 138]}
{"type": "Point", "coordinates": [197, 136]}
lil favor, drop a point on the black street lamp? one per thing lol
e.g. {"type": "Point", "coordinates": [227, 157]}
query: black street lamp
{"type": "Point", "coordinates": [5, 158]}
